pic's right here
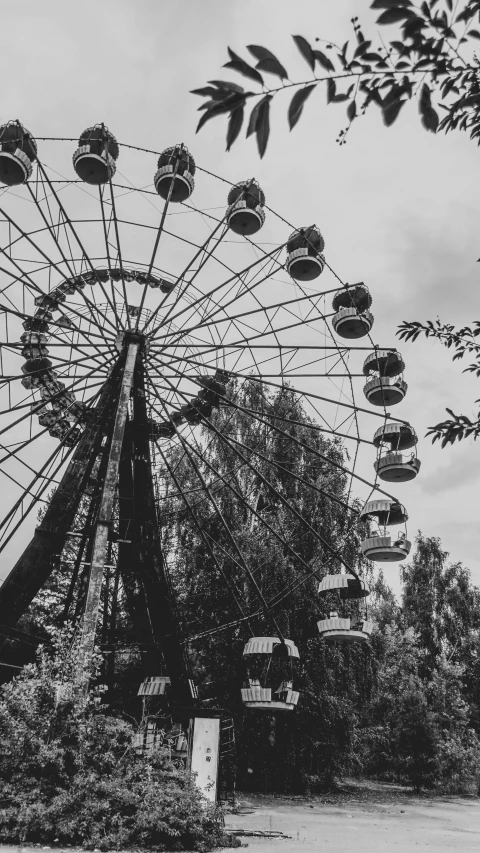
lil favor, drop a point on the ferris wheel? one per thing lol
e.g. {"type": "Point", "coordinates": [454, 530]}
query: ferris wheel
{"type": "Point", "coordinates": [146, 305]}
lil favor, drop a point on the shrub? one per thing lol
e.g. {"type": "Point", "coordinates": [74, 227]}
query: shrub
{"type": "Point", "coordinates": [75, 778]}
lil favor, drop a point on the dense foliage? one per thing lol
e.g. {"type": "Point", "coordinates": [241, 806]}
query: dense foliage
{"type": "Point", "coordinates": [407, 706]}
{"type": "Point", "coordinates": [422, 723]}
{"type": "Point", "coordinates": [74, 778]}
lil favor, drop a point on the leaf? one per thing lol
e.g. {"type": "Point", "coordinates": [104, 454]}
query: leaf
{"type": "Point", "coordinates": [474, 33]}
{"type": "Point", "coordinates": [260, 52]}
{"type": "Point", "coordinates": [234, 125]}
{"type": "Point", "coordinates": [362, 48]}
{"type": "Point", "coordinates": [331, 89]}
{"type": "Point", "coordinates": [296, 104]}
{"type": "Point", "coordinates": [239, 64]}
{"type": "Point", "coordinates": [272, 66]}
{"type": "Point", "coordinates": [227, 85]}
{"type": "Point", "coordinates": [394, 15]}
{"type": "Point", "coordinates": [215, 110]}
{"type": "Point", "coordinates": [428, 114]}
{"type": "Point", "coordinates": [262, 128]}
{"type": "Point", "coordinates": [323, 60]}
{"type": "Point", "coordinates": [252, 124]}
{"type": "Point", "coordinates": [352, 111]}
{"type": "Point", "coordinates": [208, 92]}
{"type": "Point", "coordinates": [305, 49]}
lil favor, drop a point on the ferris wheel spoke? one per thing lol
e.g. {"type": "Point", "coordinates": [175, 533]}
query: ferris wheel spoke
{"type": "Point", "coordinates": [39, 477]}
{"type": "Point", "coordinates": [69, 222]}
{"type": "Point", "coordinates": [205, 539]}
{"type": "Point", "coordinates": [223, 522]}
{"type": "Point", "coordinates": [310, 395]}
{"type": "Point", "coordinates": [51, 263]}
{"type": "Point", "coordinates": [119, 249]}
{"type": "Point", "coordinates": [208, 294]}
{"type": "Point", "coordinates": [284, 543]}
{"type": "Point", "coordinates": [31, 285]}
{"type": "Point", "coordinates": [253, 311]}
{"type": "Point", "coordinates": [207, 255]}
{"type": "Point", "coordinates": [201, 250]}
{"type": "Point", "coordinates": [247, 291]}
{"type": "Point", "coordinates": [101, 191]}
{"type": "Point", "coordinates": [57, 394]}
{"type": "Point", "coordinates": [276, 464]}
{"type": "Point", "coordinates": [314, 451]}
{"type": "Point", "coordinates": [307, 426]}
{"type": "Point", "coordinates": [158, 237]}
{"type": "Point", "coordinates": [269, 485]}
{"type": "Point", "coordinates": [51, 229]}
{"type": "Point", "coordinates": [287, 504]}
{"type": "Point", "coordinates": [35, 500]}
{"type": "Point", "coordinates": [30, 405]}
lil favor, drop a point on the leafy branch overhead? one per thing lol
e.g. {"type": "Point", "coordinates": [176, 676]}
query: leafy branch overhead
{"type": "Point", "coordinates": [464, 342]}
{"type": "Point", "coordinates": [425, 63]}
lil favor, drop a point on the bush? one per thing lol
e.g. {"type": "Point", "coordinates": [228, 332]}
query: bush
{"type": "Point", "coordinates": [459, 761]}
{"type": "Point", "coordinates": [74, 778]}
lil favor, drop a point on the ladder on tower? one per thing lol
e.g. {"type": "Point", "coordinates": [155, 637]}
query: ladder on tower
{"type": "Point", "coordinates": [227, 761]}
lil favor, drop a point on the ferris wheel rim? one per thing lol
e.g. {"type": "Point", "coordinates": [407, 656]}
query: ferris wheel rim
{"type": "Point", "coordinates": [341, 349]}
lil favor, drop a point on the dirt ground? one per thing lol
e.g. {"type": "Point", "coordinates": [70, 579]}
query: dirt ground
{"type": "Point", "coordinates": [362, 817]}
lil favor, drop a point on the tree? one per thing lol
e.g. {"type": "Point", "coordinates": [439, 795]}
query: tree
{"type": "Point", "coordinates": [427, 62]}
{"type": "Point", "coordinates": [279, 470]}
{"type": "Point", "coordinates": [75, 778]}
{"type": "Point", "coordinates": [421, 722]}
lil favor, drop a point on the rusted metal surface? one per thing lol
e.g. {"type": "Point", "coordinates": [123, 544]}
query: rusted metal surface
{"type": "Point", "coordinates": [163, 618]}
{"type": "Point", "coordinates": [104, 520]}
{"type": "Point", "coordinates": [37, 562]}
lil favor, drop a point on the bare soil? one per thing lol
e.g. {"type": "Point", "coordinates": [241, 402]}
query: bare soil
{"type": "Point", "coordinates": [362, 817]}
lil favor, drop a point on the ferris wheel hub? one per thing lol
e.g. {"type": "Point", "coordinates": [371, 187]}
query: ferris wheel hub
{"type": "Point", "coordinates": [129, 336]}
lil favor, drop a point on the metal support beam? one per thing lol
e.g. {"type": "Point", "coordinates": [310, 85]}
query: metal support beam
{"type": "Point", "coordinates": [153, 573]}
{"type": "Point", "coordinates": [37, 562]}
{"type": "Point", "coordinates": [103, 524]}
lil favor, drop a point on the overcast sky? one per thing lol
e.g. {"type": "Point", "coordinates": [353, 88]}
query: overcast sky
{"type": "Point", "coordinates": [399, 207]}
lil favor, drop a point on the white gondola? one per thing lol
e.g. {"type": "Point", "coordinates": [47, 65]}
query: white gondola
{"type": "Point", "coordinates": [384, 363]}
{"type": "Point", "coordinates": [381, 546]}
{"type": "Point", "coordinates": [351, 324]}
{"type": "Point", "coordinates": [395, 468]}
{"type": "Point", "coordinates": [348, 587]}
{"type": "Point", "coordinates": [399, 436]}
{"type": "Point", "coordinates": [386, 512]}
{"type": "Point", "coordinates": [383, 391]}
{"type": "Point", "coordinates": [245, 213]}
{"type": "Point", "coordinates": [18, 152]}
{"type": "Point", "coordinates": [175, 164]}
{"type": "Point", "coordinates": [386, 387]}
{"type": "Point", "coordinates": [338, 628]}
{"type": "Point", "coordinates": [95, 158]}
{"type": "Point", "coordinates": [341, 630]}
{"type": "Point", "coordinates": [269, 685]}
{"type": "Point", "coordinates": [304, 253]}
{"type": "Point", "coordinates": [352, 318]}
{"type": "Point", "coordinates": [385, 549]}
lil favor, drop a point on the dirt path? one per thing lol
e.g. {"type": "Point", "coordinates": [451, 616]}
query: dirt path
{"type": "Point", "coordinates": [365, 818]}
